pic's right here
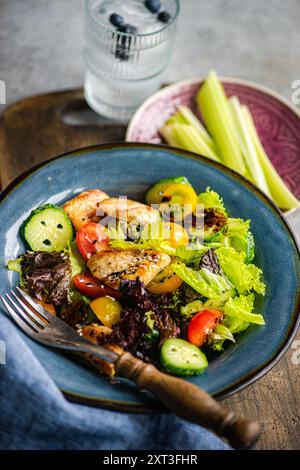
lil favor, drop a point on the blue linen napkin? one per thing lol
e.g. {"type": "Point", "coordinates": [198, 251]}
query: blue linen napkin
{"type": "Point", "coordinates": [35, 415]}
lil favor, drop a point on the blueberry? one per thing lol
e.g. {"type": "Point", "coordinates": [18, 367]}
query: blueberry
{"type": "Point", "coordinates": [116, 20]}
{"type": "Point", "coordinates": [122, 53]}
{"type": "Point", "coordinates": [124, 42]}
{"type": "Point", "coordinates": [127, 28]}
{"type": "Point", "coordinates": [164, 17]}
{"type": "Point", "coordinates": [152, 5]}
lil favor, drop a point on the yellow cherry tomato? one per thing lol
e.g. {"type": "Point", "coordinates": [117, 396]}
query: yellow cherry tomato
{"type": "Point", "coordinates": [181, 194]}
{"type": "Point", "coordinates": [175, 233]}
{"type": "Point", "coordinates": [165, 281]}
{"type": "Point", "coordinates": [107, 310]}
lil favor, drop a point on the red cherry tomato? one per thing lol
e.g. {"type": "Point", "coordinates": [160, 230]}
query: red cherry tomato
{"type": "Point", "coordinates": [202, 325]}
{"type": "Point", "coordinates": [91, 238]}
{"type": "Point", "coordinates": [90, 286]}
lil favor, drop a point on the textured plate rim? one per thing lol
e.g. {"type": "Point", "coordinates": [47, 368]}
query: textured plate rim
{"type": "Point", "coordinates": [193, 81]}
{"type": "Point", "coordinates": [245, 380]}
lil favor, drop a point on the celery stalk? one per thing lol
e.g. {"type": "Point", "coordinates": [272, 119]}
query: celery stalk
{"type": "Point", "coordinates": [176, 118]}
{"type": "Point", "coordinates": [186, 137]}
{"type": "Point", "coordinates": [248, 147]}
{"type": "Point", "coordinates": [217, 116]}
{"type": "Point", "coordinates": [167, 133]}
{"type": "Point", "coordinates": [191, 119]}
{"type": "Point", "coordinates": [189, 139]}
{"type": "Point", "coordinates": [185, 116]}
{"type": "Point", "coordinates": [281, 195]}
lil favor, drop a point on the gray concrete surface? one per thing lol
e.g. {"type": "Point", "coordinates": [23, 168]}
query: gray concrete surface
{"type": "Point", "coordinates": [41, 42]}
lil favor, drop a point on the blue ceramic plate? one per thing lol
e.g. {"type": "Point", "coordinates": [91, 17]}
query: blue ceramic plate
{"type": "Point", "coordinates": [129, 169]}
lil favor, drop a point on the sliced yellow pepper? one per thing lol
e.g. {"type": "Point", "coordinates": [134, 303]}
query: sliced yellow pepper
{"type": "Point", "coordinates": [107, 310]}
{"type": "Point", "coordinates": [175, 233]}
{"type": "Point", "coordinates": [165, 281]}
{"type": "Point", "coordinates": [181, 194]}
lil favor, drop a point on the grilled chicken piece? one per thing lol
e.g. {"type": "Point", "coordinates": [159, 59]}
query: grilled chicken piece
{"type": "Point", "coordinates": [128, 211]}
{"type": "Point", "coordinates": [95, 333]}
{"type": "Point", "coordinates": [112, 267]}
{"type": "Point", "coordinates": [82, 208]}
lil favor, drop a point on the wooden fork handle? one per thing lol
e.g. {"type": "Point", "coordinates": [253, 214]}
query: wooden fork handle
{"type": "Point", "coordinates": [189, 402]}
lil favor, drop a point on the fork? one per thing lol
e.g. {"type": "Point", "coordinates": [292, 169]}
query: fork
{"type": "Point", "coordinates": [181, 397]}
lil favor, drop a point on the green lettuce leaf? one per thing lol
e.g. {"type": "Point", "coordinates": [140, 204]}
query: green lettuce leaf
{"type": "Point", "coordinates": [240, 237]}
{"type": "Point", "coordinates": [219, 302]}
{"type": "Point", "coordinates": [238, 314]}
{"type": "Point", "coordinates": [237, 228]}
{"type": "Point", "coordinates": [191, 254]}
{"type": "Point", "coordinates": [176, 300]}
{"type": "Point", "coordinates": [78, 264]}
{"type": "Point", "coordinates": [192, 307]}
{"type": "Point", "coordinates": [220, 334]}
{"type": "Point", "coordinates": [207, 284]}
{"type": "Point", "coordinates": [150, 321]}
{"type": "Point", "coordinates": [241, 307]}
{"type": "Point", "coordinates": [244, 277]}
{"type": "Point", "coordinates": [153, 335]}
{"type": "Point", "coordinates": [14, 265]}
{"type": "Point", "coordinates": [159, 245]}
{"type": "Point", "coordinates": [218, 281]}
{"type": "Point", "coordinates": [151, 238]}
{"type": "Point", "coordinates": [211, 200]}
{"type": "Point", "coordinates": [236, 325]}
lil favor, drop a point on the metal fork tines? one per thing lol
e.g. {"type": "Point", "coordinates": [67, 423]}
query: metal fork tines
{"type": "Point", "coordinates": [32, 317]}
{"type": "Point", "coordinates": [22, 314]}
{"type": "Point", "coordinates": [46, 328]}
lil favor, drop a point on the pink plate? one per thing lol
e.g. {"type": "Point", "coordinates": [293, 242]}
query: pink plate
{"type": "Point", "coordinates": [276, 119]}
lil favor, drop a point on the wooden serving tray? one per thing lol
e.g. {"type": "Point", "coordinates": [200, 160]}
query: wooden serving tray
{"type": "Point", "coordinates": [44, 126]}
{"type": "Point", "coordinates": [41, 127]}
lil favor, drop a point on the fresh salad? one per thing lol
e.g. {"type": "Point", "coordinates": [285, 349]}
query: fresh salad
{"type": "Point", "coordinates": [167, 279]}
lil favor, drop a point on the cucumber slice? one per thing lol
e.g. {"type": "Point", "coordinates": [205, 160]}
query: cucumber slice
{"type": "Point", "coordinates": [155, 193]}
{"type": "Point", "coordinates": [48, 228]}
{"type": "Point", "coordinates": [182, 358]}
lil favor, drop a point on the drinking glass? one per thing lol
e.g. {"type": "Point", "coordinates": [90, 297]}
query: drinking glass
{"type": "Point", "coordinates": [122, 69]}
